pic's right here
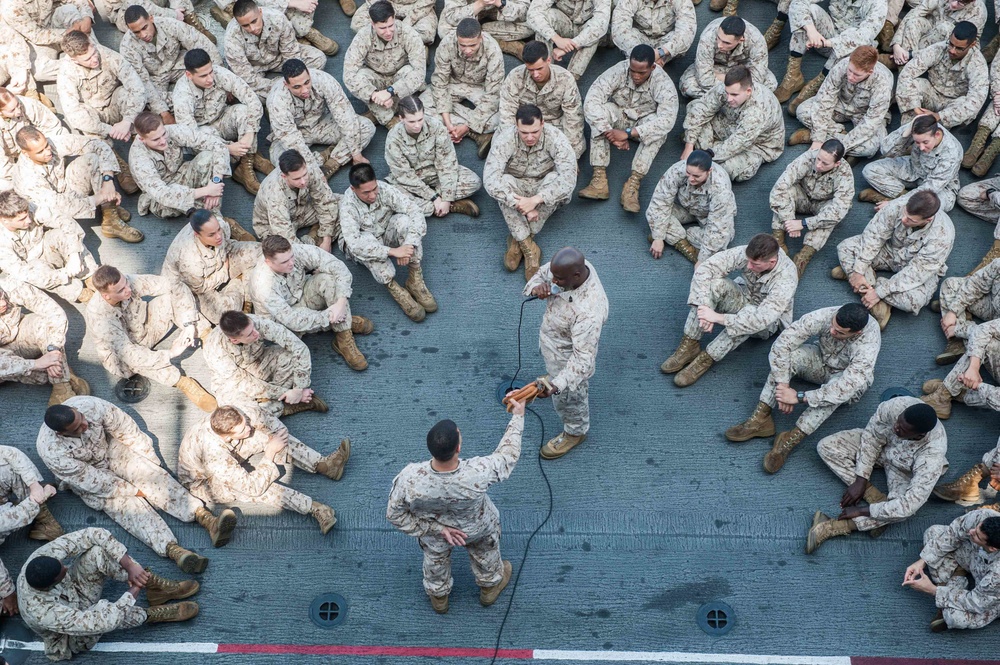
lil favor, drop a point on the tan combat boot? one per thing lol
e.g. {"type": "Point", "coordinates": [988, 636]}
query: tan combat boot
{"type": "Point", "coordinates": [406, 301]}
{"type": "Point", "coordinates": [222, 16]}
{"type": "Point", "coordinates": [220, 529]}
{"type": "Point", "coordinates": [779, 235]}
{"type": "Point", "coordinates": [731, 8]}
{"type": "Point", "coordinates": [362, 325]}
{"type": "Point", "coordinates": [194, 21]}
{"type": "Point", "coordinates": [874, 495]}
{"type": "Point", "coordinates": [320, 41]}
{"type": "Point", "coordinates": [802, 259]}
{"type": "Point", "coordinates": [630, 192]}
{"type": "Point", "coordinates": [838, 273]}
{"type": "Point", "coordinates": [940, 400]}
{"type": "Point", "coordinates": [882, 311]}
{"type": "Point", "coordinates": [976, 147]}
{"type": "Point", "coordinates": [198, 395]}
{"type": "Point", "coordinates": [694, 371]}
{"type": "Point", "coordinates": [186, 560]}
{"type": "Point", "coordinates": [513, 256]}
{"type": "Point", "coordinates": [824, 528]}
{"type": "Point", "coordinates": [61, 392]}
{"type": "Point", "coordinates": [465, 207]}
{"type": "Point", "coordinates": [440, 603]}
{"type": "Point", "coordinates": [332, 466]}
{"type": "Point", "coordinates": [514, 48]}
{"type": "Point", "coordinates": [598, 187]}
{"type": "Point", "coordinates": [885, 36]}
{"type": "Point", "coordinates": [349, 7]}
{"type": "Point", "coordinates": [262, 164]}
{"type": "Point", "coordinates": [931, 385]}
{"type": "Point", "coordinates": [686, 351]}
{"type": "Point", "coordinates": [772, 37]}
{"type": "Point", "coordinates": [561, 444]}
{"type": "Point", "coordinates": [687, 250]}
{"type": "Point", "coordinates": [174, 612]}
{"type": "Point", "coordinates": [800, 136]}
{"type": "Point", "coordinates": [123, 214]}
{"type": "Point", "coordinates": [784, 443]}
{"type": "Point", "coordinates": [532, 257]}
{"type": "Point", "coordinates": [314, 404]}
{"type": "Point", "coordinates": [869, 195]}
{"type": "Point", "coordinates": [953, 350]}
{"type": "Point", "coordinates": [992, 254]}
{"type": "Point", "coordinates": [808, 92]}
{"type": "Point", "coordinates": [323, 514]}
{"type": "Point", "coordinates": [344, 344]}
{"type": "Point", "coordinates": [45, 526]}
{"type": "Point", "coordinates": [483, 142]}
{"type": "Point", "coordinates": [159, 589]}
{"type": "Point", "coordinates": [113, 227]}
{"type": "Point", "coordinates": [717, 5]}
{"type": "Point", "coordinates": [986, 159]}
{"type": "Point", "coordinates": [238, 233]}
{"type": "Point", "coordinates": [418, 289]}
{"type": "Point", "coordinates": [125, 179]}
{"type": "Point", "coordinates": [244, 175]}
{"type": "Point", "coordinates": [792, 82]}
{"type": "Point", "coordinates": [489, 594]}
{"type": "Point", "coordinates": [964, 491]}
{"type": "Point", "coordinates": [759, 424]}
{"type": "Point", "coordinates": [38, 96]}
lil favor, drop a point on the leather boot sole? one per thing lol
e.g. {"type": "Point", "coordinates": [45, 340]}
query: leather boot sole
{"type": "Point", "coordinates": [192, 563]}
{"type": "Point", "coordinates": [227, 524]}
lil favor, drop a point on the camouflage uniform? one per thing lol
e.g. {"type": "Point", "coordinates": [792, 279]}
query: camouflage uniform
{"type": "Point", "coordinates": [301, 21]}
{"type": "Point", "coordinates": [548, 169]}
{"type": "Point", "coordinates": [252, 56]}
{"type": "Point", "coordinates": [990, 118]}
{"type": "Point", "coordinates": [36, 21]}
{"type": "Point", "coordinates": [844, 369]}
{"type": "Point", "coordinates": [954, 89]}
{"type": "Point", "coordinates": [258, 372]}
{"type": "Point", "coordinates": [17, 472]}
{"type": "Point", "coordinates": [210, 109]}
{"type": "Point", "coordinates": [506, 23]}
{"type": "Point", "coordinates": [559, 99]}
{"type": "Point", "coordinates": [568, 339]}
{"type": "Point", "coordinates": [300, 299]}
{"type": "Point", "coordinates": [932, 21]}
{"type": "Point", "coordinates": [216, 276]}
{"type": "Point", "coordinates": [976, 295]}
{"type": "Point", "coordinates": [970, 199]}
{"type": "Point", "coordinates": [423, 501]}
{"type": "Point", "coordinates": [125, 335]}
{"type": "Point", "coordinates": [15, 62]}
{"type": "Point", "coordinates": [326, 118]}
{"type": "Point", "coordinates": [712, 208]}
{"type": "Point", "coordinates": [94, 99]}
{"type": "Point", "coordinates": [71, 616]}
{"type": "Point", "coordinates": [912, 468]}
{"type": "Point", "coordinates": [476, 80]}
{"type": "Point", "coordinates": [418, 14]}
{"type": "Point", "coordinates": [32, 113]}
{"type": "Point", "coordinates": [371, 65]}
{"type": "Point", "coordinates": [754, 305]}
{"type": "Point", "coordinates": [709, 62]}
{"type": "Point", "coordinates": [983, 342]}
{"type": "Point", "coordinates": [742, 138]}
{"type": "Point", "coordinates": [38, 255]}
{"type": "Point", "coordinates": [614, 102]}
{"type": "Point", "coordinates": [113, 11]}
{"type": "Point", "coordinates": [865, 104]}
{"type": "Point", "coordinates": [280, 210]}
{"type": "Point", "coordinates": [916, 256]}
{"type": "Point", "coordinates": [215, 470]}
{"type": "Point", "coordinates": [848, 25]}
{"type": "Point", "coordinates": [667, 24]}
{"type": "Point", "coordinates": [425, 165]}
{"type": "Point", "coordinates": [802, 189]}
{"type": "Point", "coordinates": [167, 180]}
{"type": "Point", "coordinates": [25, 337]}
{"type": "Point", "coordinates": [584, 21]}
{"type": "Point", "coordinates": [62, 188]}
{"type": "Point", "coordinates": [161, 62]}
{"type": "Point", "coordinates": [947, 548]}
{"type": "Point", "coordinates": [109, 464]}
{"type": "Point", "coordinates": [905, 166]}
{"type": "Point", "coordinates": [368, 231]}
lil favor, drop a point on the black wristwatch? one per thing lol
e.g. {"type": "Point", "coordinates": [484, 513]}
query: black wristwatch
{"type": "Point", "coordinates": [801, 396]}
{"type": "Point", "coordinates": [106, 178]}
{"type": "Point", "coordinates": [435, 197]}
{"type": "Point", "coordinates": [390, 90]}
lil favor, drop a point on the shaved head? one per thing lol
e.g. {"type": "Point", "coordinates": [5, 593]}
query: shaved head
{"type": "Point", "coordinates": [569, 268]}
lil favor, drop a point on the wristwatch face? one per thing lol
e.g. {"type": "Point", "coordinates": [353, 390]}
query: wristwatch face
{"type": "Point", "coordinates": [106, 178]}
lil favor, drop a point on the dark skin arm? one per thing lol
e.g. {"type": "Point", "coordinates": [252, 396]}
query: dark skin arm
{"type": "Point", "coordinates": [854, 492]}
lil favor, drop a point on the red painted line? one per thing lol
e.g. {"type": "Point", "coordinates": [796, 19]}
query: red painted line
{"type": "Point", "coordinates": [362, 650]}
{"type": "Point", "coordinates": [871, 660]}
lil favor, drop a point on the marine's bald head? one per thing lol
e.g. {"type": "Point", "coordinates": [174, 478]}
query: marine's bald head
{"type": "Point", "coordinates": [569, 269]}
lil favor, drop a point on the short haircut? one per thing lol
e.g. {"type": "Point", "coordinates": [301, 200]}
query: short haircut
{"type": "Point", "coordinates": [360, 174]}
{"type": "Point", "coordinates": [733, 26]}
{"type": "Point", "coordinates": [643, 53]}
{"type": "Point", "coordinates": [409, 105]}
{"type": "Point", "coordinates": [864, 58]}
{"type": "Point", "coordinates": [921, 417]}
{"type": "Point", "coordinates": [381, 11]}
{"type": "Point", "coordinates": [991, 527]}
{"type": "Point", "coordinates": [42, 571]}
{"type": "Point", "coordinates": [468, 28]}
{"type": "Point", "coordinates": [243, 7]}
{"type": "Point", "coordinates": [527, 114]}
{"type": "Point", "coordinates": [225, 419]}
{"type": "Point", "coordinates": [59, 416]}
{"type": "Point", "coordinates": [75, 43]}
{"type": "Point", "coordinates": [443, 440]}
{"type": "Point", "coordinates": [924, 203]}
{"type": "Point", "coordinates": [701, 159]}
{"type": "Point", "coordinates": [292, 68]}
{"type": "Point", "coordinates": [924, 124]}
{"type": "Point", "coordinates": [105, 277]}
{"type": "Point", "coordinates": [965, 31]}
{"type": "Point", "coordinates": [6, 95]}
{"type": "Point", "coordinates": [135, 12]}
{"type": "Point", "coordinates": [146, 123]}
{"type": "Point", "coordinates": [852, 316]}
{"type": "Point", "coordinates": [195, 59]}
{"type": "Point", "coordinates": [762, 247]}
{"type": "Point", "coordinates": [739, 74]}
{"type": "Point", "coordinates": [233, 322]}
{"type": "Point", "coordinates": [834, 147]}
{"type": "Point", "coordinates": [534, 51]}
{"type": "Point", "coordinates": [199, 218]}
{"type": "Point", "coordinates": [271, 246]}
{"type": "Point", "coordinates": [12, 204]}
{"type": "Point", "coordinates": [291, 160]}
{"type": "Point", "coordinates": [27, 134]}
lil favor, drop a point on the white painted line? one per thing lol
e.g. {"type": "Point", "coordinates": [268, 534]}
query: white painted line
{"type": "Point", "coordinates": [684, 657]}
{"type": "Point", "coordinates": [156, 647]}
